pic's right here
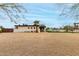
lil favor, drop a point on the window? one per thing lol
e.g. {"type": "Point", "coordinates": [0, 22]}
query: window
{"type": "Point", "coordinates": [34, 27]}
{"type": "Point", "coordinates": [28, 27]}
{"type": "Point", "coordinates": [31, 27]}
{"type": "Point", "coordinates": [16, 27]}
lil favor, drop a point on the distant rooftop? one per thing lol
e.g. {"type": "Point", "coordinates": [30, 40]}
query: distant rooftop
{"type": "Point", "coordinates": [24, 25]}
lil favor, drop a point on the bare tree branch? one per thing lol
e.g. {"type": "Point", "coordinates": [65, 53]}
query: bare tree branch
{"type": "Point", "coordinates": [9, 7]}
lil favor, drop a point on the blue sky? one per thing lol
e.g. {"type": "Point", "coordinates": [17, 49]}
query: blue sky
{"type": "Point", "coordinates": [46, 13]}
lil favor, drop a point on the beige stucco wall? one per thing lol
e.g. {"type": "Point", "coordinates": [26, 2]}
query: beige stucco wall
{"type": "Point", "coordinates": [25, 29]}
{"type": "Point", "coordinates": [76, 30]}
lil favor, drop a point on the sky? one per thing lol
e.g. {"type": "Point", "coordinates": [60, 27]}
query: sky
{"type": "Point", "coordinates": [46, 13]}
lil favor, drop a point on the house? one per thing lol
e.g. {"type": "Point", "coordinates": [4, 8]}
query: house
{"type": "Point", "coordinates": [24, 28]}
{"type": "Point", "coordinates": [7, 30]}
{"type": "Point", "coordinates": [76, 27]}
{"type": "Point", "coordinates": [27, 28]}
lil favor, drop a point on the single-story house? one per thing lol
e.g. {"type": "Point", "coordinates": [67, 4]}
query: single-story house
{"type": "Point", "coordinates": [7, 30]}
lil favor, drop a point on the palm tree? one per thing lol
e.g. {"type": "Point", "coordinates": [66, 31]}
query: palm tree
{"type": "Point", "coordinates": [36, 23]}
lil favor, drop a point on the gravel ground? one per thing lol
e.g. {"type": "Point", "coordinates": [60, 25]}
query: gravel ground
{"type": "Point", "coordinates": [39, 44]}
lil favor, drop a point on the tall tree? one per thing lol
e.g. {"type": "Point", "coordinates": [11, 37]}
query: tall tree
{"type": "Point", "coordinates": [42, 28]}
{"type": "Point", "coordinates": [68, 28]}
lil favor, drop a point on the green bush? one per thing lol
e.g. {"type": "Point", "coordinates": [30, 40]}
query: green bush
{"type": "Point", "coordinates": [0, 30]}
{"type": "Point", "coordinates": [49, 30]}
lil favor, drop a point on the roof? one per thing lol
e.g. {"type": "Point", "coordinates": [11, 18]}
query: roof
{"type": "Point", "coordinates": [24, 25]}
{"type": "Point", "coordinates": [76, 23]}
{"type": "Point", "coordinates": [7, 28]}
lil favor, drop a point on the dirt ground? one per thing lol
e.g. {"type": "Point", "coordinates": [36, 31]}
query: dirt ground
{"type": "Point", "coordinates": [39, 44]}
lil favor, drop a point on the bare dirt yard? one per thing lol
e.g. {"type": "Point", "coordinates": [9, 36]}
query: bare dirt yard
{"type": "Point", "coordinates": [39, 44]}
